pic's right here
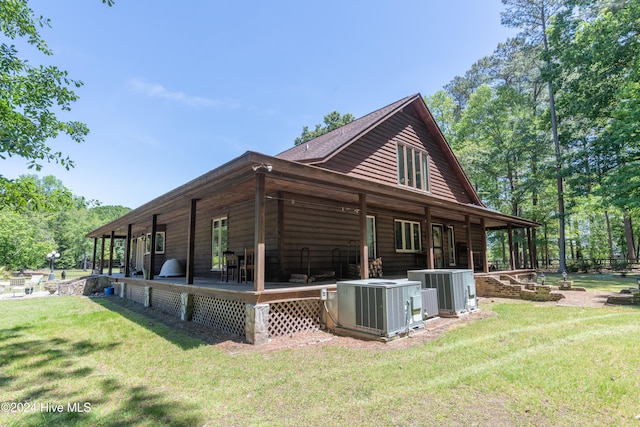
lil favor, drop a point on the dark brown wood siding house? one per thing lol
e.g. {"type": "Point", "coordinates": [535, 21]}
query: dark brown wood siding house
{"type": "Point", "coordinates": [385, 187]}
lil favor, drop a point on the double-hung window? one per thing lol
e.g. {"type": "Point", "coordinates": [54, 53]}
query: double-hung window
{"type": "Point", "coordinates": [413, 167]}
{"type": "Point", "coordinates": [408, 236]}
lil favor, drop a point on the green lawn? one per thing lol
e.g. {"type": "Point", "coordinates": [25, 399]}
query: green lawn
{"type": "Point", "coordinates": [595, 282]}
{"type": "Point", "coordinates": [530, 364]}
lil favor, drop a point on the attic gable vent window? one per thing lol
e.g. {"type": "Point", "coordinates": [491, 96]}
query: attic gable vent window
{"type": "Point", "coordinates": [413, 168]}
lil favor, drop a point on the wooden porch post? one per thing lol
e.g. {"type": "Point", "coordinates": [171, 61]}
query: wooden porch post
{"type": "Point", "coordinates": [259, 234]}
{"type": "Point", "coordinates": [95, 253]}
{"type": "Point", "coordinates": [429, 251]}
{"type": "Point", "coordinates": [111, 241]}
{"type": "Point", "coordinates": [512, 257]}
{"type": "Point", "coordinates": [485, 256]}
{"type": "Point", "coordinates": [127, 252]}
{"type": "Point", "coordinates": [102, 256]}
{"type": "Point", "coordinates": [152, 255]}
{"type": "Point", "coordinates": [191, 242]}
{"type": "Point", "coordinates": [364, 249]}
{"type": "Point", "coordinates": [281, 237]}
{"type": "Point", "coordinates": [532, 256]}
{"type": "Point", "coordinates": [469, 244]}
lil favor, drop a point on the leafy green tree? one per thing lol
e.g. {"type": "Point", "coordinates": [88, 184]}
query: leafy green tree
{"type": "Point", "coordinates": [493, 138]}
{"type": "Point", "coordinates": [532, 17]}
{"type": "Point", "coordinates": [513, 69]}
{"type": "Point", "coordinates": [443, 108]}
{"type": "Point", "coordinates": [593, 160]}
{"type": "Point", "coordinates": [30, 96]}
{"type": "Point", "coordinates": [70, 226]}
{"type": "Point", "coordinates": [332, 121]}
{"type": "Point", "coordinates": [598, 78]}
{"type": "Point", "coordinates": [24, 240]}
{"type": "Point", "coordinates": [462, 87]}
{"type": "Point", "coordinates": [27, 236]}
{"type": "Point", "coordinates": [595, 52]}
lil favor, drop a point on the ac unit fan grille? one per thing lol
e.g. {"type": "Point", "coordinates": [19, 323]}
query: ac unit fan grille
{"type": "Point", "coordinates": [369, 307]}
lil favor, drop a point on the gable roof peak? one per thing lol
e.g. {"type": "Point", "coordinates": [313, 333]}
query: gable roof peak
{"type": "Point", "coordinates": [320, 148]}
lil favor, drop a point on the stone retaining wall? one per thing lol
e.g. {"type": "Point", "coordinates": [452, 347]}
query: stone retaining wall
{"type": "Point", "coordinates": [85, 286]}
{"type": "Point", "coordinates": [502, 287]}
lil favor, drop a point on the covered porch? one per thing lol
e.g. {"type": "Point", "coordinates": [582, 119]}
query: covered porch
{"type": "Point", "coordinates": [297, 219]}
{"type": "Point", "coordinates": [278, 208]}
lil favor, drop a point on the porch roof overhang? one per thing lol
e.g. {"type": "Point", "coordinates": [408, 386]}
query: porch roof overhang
{"type": "Point", "coordinates": [234, 182]}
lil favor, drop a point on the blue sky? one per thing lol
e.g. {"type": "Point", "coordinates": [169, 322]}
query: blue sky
{"type": "Point", "coordinates": [173, 89]}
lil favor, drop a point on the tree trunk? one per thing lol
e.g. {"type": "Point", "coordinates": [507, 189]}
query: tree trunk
{"type": "Point", "coordinates": [556, 145]}
{"type": "Point", "coordinates": [546, 248]}
{"type": "Point", "coordinates": [628, 234]}
{"type": "Point", "coordinates": [609, 236]}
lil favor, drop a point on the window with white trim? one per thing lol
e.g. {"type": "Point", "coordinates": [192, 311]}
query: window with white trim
{"type": "Point", "coordinates": [160, 235]}
{"type": "Point", "coordinates": [413, 167]}
{"type": "Point", "coordinates": [218, 242]}
{"type": "Point", "coordinates": [408, 236]}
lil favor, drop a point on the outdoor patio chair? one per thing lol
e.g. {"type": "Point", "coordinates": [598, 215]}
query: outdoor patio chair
{"type": "Point", "coordinates": [36, 280]}
{"type": "Point", "coordinates": [231, 265]}
{"type": "Point", "coordinates": [247, 265]}
{"type": "Point", "coordinates": [17, 284]}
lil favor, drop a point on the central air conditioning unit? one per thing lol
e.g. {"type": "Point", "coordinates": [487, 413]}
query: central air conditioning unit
{"type": "Point", "coordinates": [456, 289]}
{"type": "Point", "coordinates": [430, 303]}
{"type": "Point", "coordinates": [384, 308]}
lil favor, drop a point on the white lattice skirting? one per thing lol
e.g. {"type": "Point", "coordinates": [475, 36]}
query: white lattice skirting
{"type": "Point", "coordinates": [166, 301]}
{"type": "Point", "coordinates": [225, 315]}
{"type": "Point", "coordinates": [135, 293]}
{"type": "Point", "coordinates": [284, 318]}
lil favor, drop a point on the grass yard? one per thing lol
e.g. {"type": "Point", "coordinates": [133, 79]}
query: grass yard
{"type": "Point", "coordinates": [529, 364]}
{"type": "Point", "coordinates": [609, 282]}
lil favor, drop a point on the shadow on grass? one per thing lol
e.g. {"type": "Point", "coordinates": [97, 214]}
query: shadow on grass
{"type": "Point", "coordinates": [186, 335]}
{"type": "Point", "coordinates": [47, 376]}
{"type": "Point", "coordinates": [137, 406]}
